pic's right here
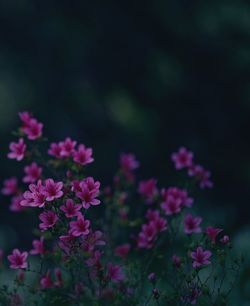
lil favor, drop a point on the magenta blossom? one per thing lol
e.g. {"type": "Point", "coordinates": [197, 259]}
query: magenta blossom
{"type": "Point", "coordinates": [213, 232]}
{"type": "Point", "coordinates": [15, 204]}
{"type": "Point", "coordinates": [148, 189]}
{"type": "Point", "coordinates": [88, 191]}
{"type": "Point", "coordinates": [177, 195]}
{"type": "Point", "coordinates": [33, 173]}
{"type": "Point", "coordinates": [70, 208]}
{"type": "Point", "coordinates": [17, 150]}
{"type": "Point", "coordinates": [48, 218]}
{"type": "Point", "coordinates": [123, 250]}
{"type": "Point", "coordinates": [38, 247]}
{"type": "Point", "coordinates": [67, 147]}
{"type": "Point", "coordinates": [53, 190]}
{"type": "Point", "coordinates": [171, 206]}
{"type": "Point", "coordinates": [200, 257]}
{"type": "Point", "coordinates": [10, 186]}
{"type": "Point", "coordinates": [128, 162]}
{"type": "Point", "coordinates": [115, 273]}
{"type": "Point", "coordinates": [46, 281]}
{"type": "Point", "coordinates": [176, 261]}
{"type": "Point", "coordinates": [31, 127]}
{"type": "Point", "coordinates": [35, 196]}
{"type": "Point", "coordinates": [93, 240]}
{"type": "Point", "coordinates": [202, 175]}
{"type": "Point", "coordinates": [80, 227]}
{"type": "Point", "coordinates": [192, 224]}
{"type": "Point", "coordinates": [18, 260]}
{"type": "Point", "coordinates": [55, 150]}
{"type": "Point", "coordinates": [182, 159]}
{"type": "Point", "coordinates": [83, 155]}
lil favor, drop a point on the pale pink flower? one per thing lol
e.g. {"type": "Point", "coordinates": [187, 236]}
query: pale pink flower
{"type": "Point", "coordinates": [17, 150]}
{"type": "Point", "coordinates": [38, 247]}
{"type": "Point", "coordinates": [10, 186]}
{"type": "Point", "coordinates": [53, 190]}
{"type": "Point", "coordinates": [48, 218]}
{"type": "Point", "coordinates": [55, 150]}
{"type": "Point", "coordinates": [15, 204]}
{"type": "Point", "coordinates": [115, 273]}
{"type": "Point", "coordinates": [70, 208]}
{"type": "Point", "coordinates": [18, 260]}
{"type": "Point", "coordinates": [182, 159]}
{"type": "Point", "coordinates": [35, 196]}
{"type": "Point", "coordinates": [123, 250]}
{"type": "Point", "coordinates": [80, 227]}
{"type": "Point", "coordinates": [200, 257]}
{"type": "Point", "coordinates": [33, 173]}
{"type": "Point", "coordinates": [192, 224]}
{"type": "Point", "coordinates": [67, 147]}
{"type": "Point", "coordinates": [213, 232]}
{"type": "Point", "coordinates": [46, 281]}
{"type": "Point", "coordinates": [83, 155]}
{"type": "Point", "coordinates": [88, 191]}
{"type": "Point", "coordinates": [148, 190]}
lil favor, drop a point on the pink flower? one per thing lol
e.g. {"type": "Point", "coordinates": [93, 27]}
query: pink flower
{"type": "Point", "coordinates": [182, 159]}
{"type": "Point", "coordinates": [177, 195]}
{"type": "Point", "coordinates": [18, 260]}
{"type": "Point", "coordinates": [38, 247]}
{"type": "Point", "coordinates": [148, 189]}
{"type": "Point", "coordinates": [176, 261]}
{"type": "Point", "coordinates": [92, 240]}
{"type": "Point", "coordinates": [128, 162]}
{"type": "Point", "coordinates": [202, 175]}
{"type": "Point", "coordinates": [15, 204]}
{"type": "Point", "coordinates": [152, 214]}
{"type": "Point", "coordinates": [10, 186]}
{"type": "Point", "coordinates": [147, 236]}
{"type": "Point", "coordinates": [192, 224]}
{"type": "Point", "coordinates": [225, 239]}
{"type": "Point", "coordinates": [94, 260]}
{"type": "Point", "coordinates": [35, 196]}
{"type": "Point", "coordinates": [88, 191]}
{"type": "Point", "coordinates": [17, 149]}
{"type": "Point", "coordinates": [55, 150]}
{"type": "Point", "coordinates": [31, 127]}
{"type": "Point", "coordinates": [53, 190]}
{"type": "Point", "coordinates": [33, 173]}
{"type": "Point", "coordinates": [59, 280]}
{"type": "Point", "coordinates": [80, 226]}
{"type": "Point", "coordinates": [200, 257]}
{"type": "Point", "coordinates": [171, 206]}
{"type": "Point", "coordinates": [122, 250]}
{"type": "Point", "coordinates": [82, 155]}
{"type": "Point", "coordinates": [67, 147]}
{"type": "Point", "coordinates": [213, 232]}
{"type": "Point", "coordinates": [115, 273]}
{"type": "Point", "coordinates": [70, 208]}
{"type": "Point", "coordinates": [46, 281]}
{"type": "Point", "coordinates": [48, 218]}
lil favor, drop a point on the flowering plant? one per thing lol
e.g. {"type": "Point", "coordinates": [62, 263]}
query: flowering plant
{"type": "Point", "coordinates": [130, 243]}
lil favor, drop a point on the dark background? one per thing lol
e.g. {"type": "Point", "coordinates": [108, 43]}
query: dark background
{"type": "Point", "coordinates": [140, 76]}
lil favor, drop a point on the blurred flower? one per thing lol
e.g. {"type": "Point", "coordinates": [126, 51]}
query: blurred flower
{"type": "Point", "coordinates": [83, 155]}
{"type": "Point", "coordinates": [17, 150]}
{"type": "Point", "coordinates": [192, 224]}
{"type": "Point", "coordinates": [18, 260]}
{"type": "Point", "coordinates": [10, 186]}
{"type": "Point", "coordinates": [182, 159]}
{"type": "Point", "coordinates": [200, 257]}
{"type": "Point", "coordinates": [33, 173]}
{"type": "Point", "coordinates": [48, 218]}
{"type": "Point", "coordinates": [213, 232]}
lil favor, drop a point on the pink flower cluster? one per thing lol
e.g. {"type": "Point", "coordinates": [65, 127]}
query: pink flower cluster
{"type": "Point", "coordinates": [174, 199]}
{"type": "Point", "coordinates": [149, 231]}
{"type": "Point", "coordinates": [67, 148]}
{"type": "Point", "coordinates": [30, 126]}
{"type": "Point", "coordinates": [183, 159]}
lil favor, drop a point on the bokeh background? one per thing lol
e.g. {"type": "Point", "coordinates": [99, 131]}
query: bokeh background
{"type": "Point", "coordinates": [136, 76]}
